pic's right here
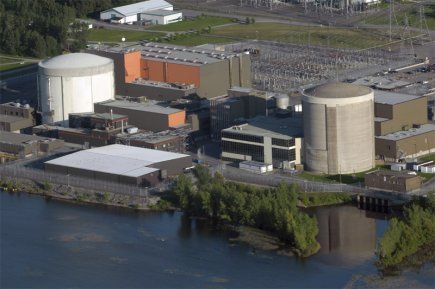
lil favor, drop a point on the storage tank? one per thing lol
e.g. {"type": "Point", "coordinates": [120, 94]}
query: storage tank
{"type": "Point", "coordinates": [282, 101]}
{"type": "Point", "coordinates": [72, 83]}
{"type": "Point", "coordinates": [338, 128]}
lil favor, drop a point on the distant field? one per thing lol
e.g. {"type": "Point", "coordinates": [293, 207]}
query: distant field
{"type": "Point", "coordinates": [199, 40]}
{"type": "Point", "coordinates": [12, 62]}
{"type": "Point", "coordinates": [112, 35]}
{"type": "Point", "coordinates": [411, 11]}
{"type": "Point", "coordinates": [338, 37]}
{"type": "Point", "coordinates": [197, 24]}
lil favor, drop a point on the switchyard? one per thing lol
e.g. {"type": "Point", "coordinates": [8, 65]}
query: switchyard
{"type": "Point", "coordinates": [283, 67]}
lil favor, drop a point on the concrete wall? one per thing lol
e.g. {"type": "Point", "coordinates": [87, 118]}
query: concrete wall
{"type": "Point", "coordinates": [215, 79]}
{"type": "Point", "coordinates": [315, 154]}
{"type": "Point", "coordinates": [338, 134]}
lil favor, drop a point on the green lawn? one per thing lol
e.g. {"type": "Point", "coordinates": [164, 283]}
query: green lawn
{"type": "Point", "coordinates": [112, 35]}
{"type": "Point", "coordinates": [7, 63]}
{"type": "Point", "coordinates": [430, 157]}
{"type": "Point", "coordinates": [338, 37]}
{"type": "Point", "coordinates": [411, 10]}
{"type": "Point", "coordinates": [198, 23]}
{"type": "Point", "coordinates": [344, 178]}
{"type": "Point", "coordinates": [194, 40]}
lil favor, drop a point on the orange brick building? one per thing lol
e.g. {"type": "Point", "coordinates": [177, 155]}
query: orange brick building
{"type": "Point", "coordinates": [210, 72]}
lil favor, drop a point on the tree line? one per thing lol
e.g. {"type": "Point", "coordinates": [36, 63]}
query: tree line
{"type": "Point", "coordinates": [41, 28]}
{"type": "Point", "coordinates": [274, 210]}
{"type": "Point", "coordinates": [406, 236]}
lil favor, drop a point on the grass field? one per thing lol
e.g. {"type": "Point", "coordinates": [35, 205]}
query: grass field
{"type": "Point", "coordinates": [411, 11]}
{"type": "Point", "coordinates": [198, 23]}
{"type": "Point", "coordinates": [12, 62]}
{"type": "Point", "coordinates": [427, 158]}
{"type": "Point", "coordinates": [336, 37]}
{"type": "Point", "coordinates": [199, 40]}
{"type": "Point", "coordinates": [344, 178]}
{"type": "Point", "coordinates": [112, 35]}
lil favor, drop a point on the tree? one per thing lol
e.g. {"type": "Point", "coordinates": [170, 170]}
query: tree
{"type": "Point", "coordinates": [52, 46]}
{"type": "Point", "coordinates": [37, 45]}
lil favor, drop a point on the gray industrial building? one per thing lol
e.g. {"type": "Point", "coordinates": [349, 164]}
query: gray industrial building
{"type": "Point", "coordinates": [338, 128]}
{"type": "Point", "coordinates": [148, 115]}
{"type": "Point", "coordinates": [264, 139]}
{"type": "Point", "coordinates": [15, 117]}
{"type": "Point", "coordinates": [401, 126]}
{"type": "Point", "coordinates": [24, 145]}
{"type": "Point", "coordinates": [240, 104]}
{"type": "Point", "coordinates": [121, 164]}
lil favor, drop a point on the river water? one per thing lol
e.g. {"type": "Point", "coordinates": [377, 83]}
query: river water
{"type": "Point", "coordinates": [56, 244]}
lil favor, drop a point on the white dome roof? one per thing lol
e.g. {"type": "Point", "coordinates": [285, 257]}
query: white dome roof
{"type": "Point", "coordinates": [76, 64]}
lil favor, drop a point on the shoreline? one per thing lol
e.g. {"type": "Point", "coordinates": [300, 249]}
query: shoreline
{"type": "Point", "coordinates": [416, 260]}
{"type": "Point", "coordinates": [77, 195]}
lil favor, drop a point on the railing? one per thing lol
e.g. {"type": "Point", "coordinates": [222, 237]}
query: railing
{"type": "Point", "coordinates": [19, 172]}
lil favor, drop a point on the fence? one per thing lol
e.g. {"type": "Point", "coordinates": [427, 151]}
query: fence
{"type": "Point", "coordinates": [19, 172]}
{"type": "Point", "coordinates": [238, 175]}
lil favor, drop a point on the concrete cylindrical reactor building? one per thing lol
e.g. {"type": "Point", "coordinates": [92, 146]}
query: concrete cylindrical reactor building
{"type": "Point", "coordinates": [72, 83]}
{"type": "Point", "coordinates": [338, 128]}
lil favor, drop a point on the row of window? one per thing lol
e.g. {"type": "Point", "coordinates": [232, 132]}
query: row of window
{"type": "Point", "coordinates": [283, 155]}
{"type": "Point", "coordinates": [283, 142]}
{"type": "Point", "coordinates": [256, 152]}
{"type": "Point", "coordinates": [244, 137]}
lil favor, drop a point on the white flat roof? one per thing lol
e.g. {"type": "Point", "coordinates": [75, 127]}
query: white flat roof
{"type": "Point", "coordinates": [116, 159]}
{"type": "Point", "coordinates": [143, 6]}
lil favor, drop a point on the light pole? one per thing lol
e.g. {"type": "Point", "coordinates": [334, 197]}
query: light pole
{"type": "Point", "coordinates": [67, 180]}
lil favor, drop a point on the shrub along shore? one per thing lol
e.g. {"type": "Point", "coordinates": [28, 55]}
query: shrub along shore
{"type": "Point", "coordinates": [271, 209]}
{"type": "Point", "coordinates": [408, 236]}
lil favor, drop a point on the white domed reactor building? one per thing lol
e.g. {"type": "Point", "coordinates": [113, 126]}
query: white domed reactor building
{"type": "Point", "coordinates": [338, 128]}
{"type": "Point", "coordinates": [72, 83]}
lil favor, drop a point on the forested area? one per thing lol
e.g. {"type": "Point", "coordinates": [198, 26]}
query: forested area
{"type": "Point", "coordinates": [273, 210]}
{"type": "Point", "coordinates": [406, 236]}
{"type": "Point", "coordinates": [40, 28]}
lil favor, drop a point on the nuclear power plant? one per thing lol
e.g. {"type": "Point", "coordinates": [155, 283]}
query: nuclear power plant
{"type": "Point", "coordinates": [338, 125]}
{"type": "Point", "coordinates": [72, 83]}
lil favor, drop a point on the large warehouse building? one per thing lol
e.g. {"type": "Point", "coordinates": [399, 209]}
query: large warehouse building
{"type": "Point", "coordinates": [148, 116]}
{"type": "Point", "coordinates": [72, 83]}
{"type": "Point", "coordinates": [209, 72]}
{"type": "Point", "coordinates": [338, 128]}
{"type": "Point", "coordinates": [152, 11]}
{"type": "Point", "coordinates": [121, 164]}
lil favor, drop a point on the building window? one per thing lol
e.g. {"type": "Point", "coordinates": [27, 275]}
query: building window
{"type": "Point", "coordinates": [240, 136]}
{"type": "Point", "coordinates": [255, 151]}
{"type": "Point", "coordinates": [283, 155]}
{"type": "Point", "coordinates": [283, 142]}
